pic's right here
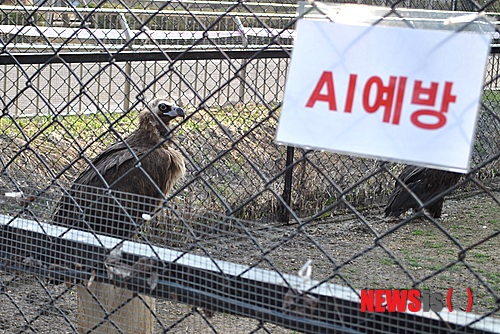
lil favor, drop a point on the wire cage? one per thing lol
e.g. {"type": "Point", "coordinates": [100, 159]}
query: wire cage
{"type": "Point", "coordinates": [142, 190]}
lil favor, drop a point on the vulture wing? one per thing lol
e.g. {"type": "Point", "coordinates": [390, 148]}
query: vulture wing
{"type": "Point", "coordinates": [410, 174]}
{"type": "Point", "coordinates": [111, 164]}
{"type": "Point", "coordinates": [400, 200]}
{"type": "Point", "coordinates": [423, 182]}
{"type": "Point", "coordinates": [137, 188]}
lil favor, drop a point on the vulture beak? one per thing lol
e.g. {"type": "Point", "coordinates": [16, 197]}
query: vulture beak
{"type": "Point", "coordinates": [179, 111]}
{"type": "Point", "coordinates": [171, 111]}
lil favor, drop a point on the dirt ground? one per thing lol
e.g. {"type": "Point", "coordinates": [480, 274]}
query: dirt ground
{"type": "Point", "coordinates": [411, 255]}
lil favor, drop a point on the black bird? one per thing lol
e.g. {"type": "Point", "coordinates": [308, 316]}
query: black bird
{"type": "Point", "coordinates": [426, 183]}
{"type": "Point", "coordinates": [127, 181]}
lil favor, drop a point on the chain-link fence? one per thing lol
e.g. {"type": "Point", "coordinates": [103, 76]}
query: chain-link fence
{"type": "Point", "coordinates": [101, 229]}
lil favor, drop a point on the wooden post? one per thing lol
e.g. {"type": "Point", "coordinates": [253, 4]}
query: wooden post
{"type": "Point", "coordinates": [136, 316]}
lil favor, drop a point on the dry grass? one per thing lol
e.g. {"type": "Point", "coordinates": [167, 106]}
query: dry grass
{"type": "Point", "coordinates": [233, 162]}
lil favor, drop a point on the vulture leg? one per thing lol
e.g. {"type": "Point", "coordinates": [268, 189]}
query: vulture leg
{"type": "Point", "coordinates": [436, 209]}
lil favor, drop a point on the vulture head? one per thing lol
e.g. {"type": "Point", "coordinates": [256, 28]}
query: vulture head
{"type": "Point", "coordinates": [157, 116]}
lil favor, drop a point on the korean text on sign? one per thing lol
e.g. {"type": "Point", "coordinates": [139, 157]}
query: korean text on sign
{"type": "Point", "coordinates": [393, 93]}
{"type": "Point", "coordinates": [389, 97]}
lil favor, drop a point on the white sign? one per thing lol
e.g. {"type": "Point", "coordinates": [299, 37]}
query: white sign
{"type": "Point", "coordinates": [407, 95]}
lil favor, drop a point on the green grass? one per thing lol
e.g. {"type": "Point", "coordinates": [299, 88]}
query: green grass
{"type": "Point", "coordinates": [493, 278]}
{"type": "Point", "coordinates": [86, 127]}
{"type": "Point", "coordinates": [82, 127]}
{"type": "Point", "coordinates": [388, 261]}
{"type": "Point", "coordinates": [423, 232]}
{"type": "Point", "coordinates": [481, 258]}
{"type": "Point", "coordinates": [494, 221]}
{"type": "Point", "coordinates": [433, 244]}
{"type": "Point", "coordinates": [491, 96]}
{"type": "Point", "coordinates": [495, 212]}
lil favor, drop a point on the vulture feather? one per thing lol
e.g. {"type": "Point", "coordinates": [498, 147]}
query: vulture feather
{"type": "Point", "coordinates": [426, 183]}
{"type": "Point", "coordinates": [128, 180]}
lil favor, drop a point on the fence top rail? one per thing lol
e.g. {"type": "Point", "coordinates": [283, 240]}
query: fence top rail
{"type": "Point", "coordinates": [146, 55]}
{"type": "Point", "coordinates": [225, 3]}
{"type": "Point", "coordinates": [156, 12]}
{"type": "Point", "coordinates": [121, 34]}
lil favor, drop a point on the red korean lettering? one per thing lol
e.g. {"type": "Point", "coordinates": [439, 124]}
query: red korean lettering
{"type": "Point", "coordinates": [424, 96]}
{"type": "Point", "coordinates": [447, 97]}
{"type": "Point", "coordinates": [325, 84]}
{"type": "Point", "coordinates": [389, 97]}
{"type": "Point", "coordinates": [427, 97]}
{"type": "Point", "coordinates": [350, 93]}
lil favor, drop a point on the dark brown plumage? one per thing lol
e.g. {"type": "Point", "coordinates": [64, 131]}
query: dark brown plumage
{"type": "Point", "coordinates": [139, 171]}
{"type": "Point", "coordinates": [426, 183]}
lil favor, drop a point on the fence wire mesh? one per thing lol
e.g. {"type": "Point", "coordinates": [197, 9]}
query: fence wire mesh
{"type": "Point", "coordinates": [103, 106]}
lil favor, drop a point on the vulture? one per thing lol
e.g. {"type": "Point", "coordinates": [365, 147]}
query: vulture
{"type": "Point", "coordinates": [426, 183]}
{"type": "Point", "coordinates": [127, 182]}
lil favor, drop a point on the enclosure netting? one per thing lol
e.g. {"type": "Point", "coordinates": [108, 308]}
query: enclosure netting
{"type": "Point", "coordinates": [229, 248]}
